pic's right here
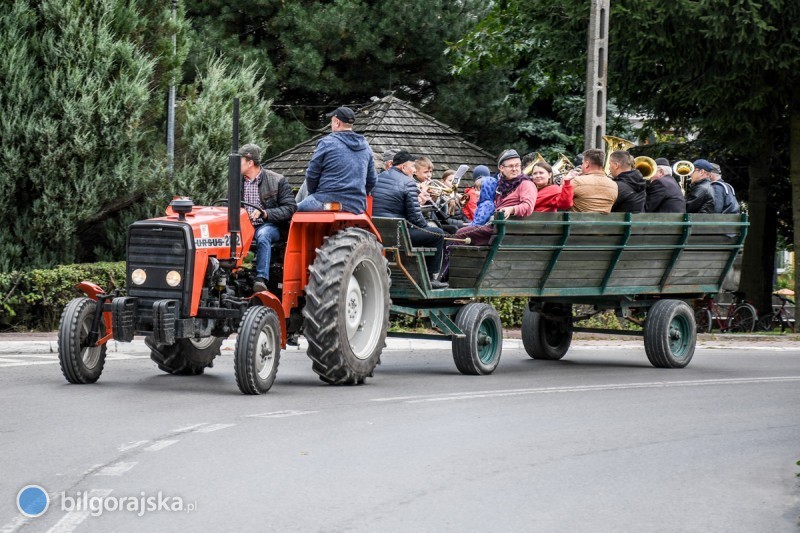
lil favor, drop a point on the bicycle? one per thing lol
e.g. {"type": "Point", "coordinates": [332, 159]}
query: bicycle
{"type": "Point", "coordinates": [780, 317]}
{"type": "Point", "coordinates": [741, 317]}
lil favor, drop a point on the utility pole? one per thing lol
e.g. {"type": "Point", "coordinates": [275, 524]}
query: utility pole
{"type": "Point", "coordinates": [596, 75]}
{"type": "Point", "coordinates": [171, 99]}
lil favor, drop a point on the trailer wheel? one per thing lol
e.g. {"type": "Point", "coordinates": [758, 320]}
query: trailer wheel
{"type": "Point", "coordinates": [544, 338]}
{"type": "Point", "coordinates": [258, 351]}
{"type": "Point", "coordinates": [187, 357]}
{"type": "Point", "coordinates": [347, 307]}
{"type": "Point", "coordinates": [478, 353]}
{"type": "Point", "coordinates": [670, 334]}
{"type": "Point", "coordinates": [80, 363]}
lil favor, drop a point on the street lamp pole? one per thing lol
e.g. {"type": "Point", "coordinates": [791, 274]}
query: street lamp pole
{"type": "Point", "coordinates": [596, 75]}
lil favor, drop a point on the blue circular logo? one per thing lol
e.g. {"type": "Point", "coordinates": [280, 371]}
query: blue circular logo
{"type": "Point", "coordinates": [32, 501]}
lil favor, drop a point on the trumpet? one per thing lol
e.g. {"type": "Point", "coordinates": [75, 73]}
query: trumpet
{"type": "Point", "coordinates": [646, 165]}
{"type": "Point", "coordinates": [614, 144]}
{"type": "Point", "coordinates": [529, 169]}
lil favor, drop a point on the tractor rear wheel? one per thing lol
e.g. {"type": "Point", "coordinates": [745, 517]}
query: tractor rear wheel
{"type": "Point", "coordinates": [544, 338]}
{"type": "Point", "coordinates": [80, 363]}
{"type": "Point", "coordinates": [187, 357]}
{"type": "Point", "coordinates": [258, 351]}
{"type": "Point", "coordinates": [347, 307]}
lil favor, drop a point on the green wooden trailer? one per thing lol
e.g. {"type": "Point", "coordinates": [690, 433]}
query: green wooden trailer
{"type": "Point", "coordinates": [645, 267]}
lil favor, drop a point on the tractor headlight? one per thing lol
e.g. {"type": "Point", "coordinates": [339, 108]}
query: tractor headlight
{"type": "Point", "coordinates": [173, 278]}
{"type": "Point", "coordinates": [138, 276]}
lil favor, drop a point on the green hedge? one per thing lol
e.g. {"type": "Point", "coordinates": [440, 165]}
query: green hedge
{"type": "Point", "coordinates": [510, 310]}
{"type": "Point", "coordinates": [34, 299]}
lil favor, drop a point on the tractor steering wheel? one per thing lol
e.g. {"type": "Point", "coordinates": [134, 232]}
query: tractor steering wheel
{"type": "Point", "coordinates": [245, 204]}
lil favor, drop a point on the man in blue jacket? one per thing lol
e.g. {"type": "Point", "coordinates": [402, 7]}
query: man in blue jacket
{"type": "Point", "coordinates": [396, 196]}
{"type": "Point", "coordinates": [342, 169]}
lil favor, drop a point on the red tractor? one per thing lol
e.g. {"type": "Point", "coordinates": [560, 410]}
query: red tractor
{"type": "Point", "coordinates": [187, 290]}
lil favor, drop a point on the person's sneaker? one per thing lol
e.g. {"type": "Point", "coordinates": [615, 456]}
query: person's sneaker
{"type": "Point", "coordinates": [435, 285]}
{"type": "Point", "coordinates": [260, 285]}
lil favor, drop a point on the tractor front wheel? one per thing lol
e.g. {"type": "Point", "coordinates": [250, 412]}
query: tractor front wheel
{"type": "Point", "coordinates": [347, 307]}
{"type": "Point", "coordinates": [80, 363]}
{"type": "Point", "coordinates": [258, 351]}
{"type": "Point", "coordinates": [187, 357]}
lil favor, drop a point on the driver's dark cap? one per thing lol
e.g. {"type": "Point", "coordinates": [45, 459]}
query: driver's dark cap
{"type": "Point", "coordinates": [251, 152]}
{"type": "Point", "coordinates": [345, 114]}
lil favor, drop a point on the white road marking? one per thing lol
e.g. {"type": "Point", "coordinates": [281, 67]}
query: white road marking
{"type": "Point", "coordinates": [214, 427]}
{"type": "Point", "coordinates": [160, 445]}
{"type": "Point", "coordinates": [281, 414]}
{"type": "Point", "coordinates": [585, 388]}
{"type": "Point", "coordinates": [131, 445]}
{"type": "Point", "coordinates": [116, 469]}
{"type": "Point", "coordinates": [15, 524]}
{"type": "Point", "coordinates": [20, 359]}
{"type": "Point", "coordinates": [70, 521]}
{"type": "Point", "coordinates": [189, 428]}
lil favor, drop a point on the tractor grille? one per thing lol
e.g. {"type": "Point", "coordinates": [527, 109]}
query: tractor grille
{"type": "Point", "coordinates": [158, 248]}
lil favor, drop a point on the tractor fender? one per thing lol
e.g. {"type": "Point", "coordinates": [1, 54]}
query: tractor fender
{"type": "Point", "coordinates": [267, 299]}
{"type": "Point", "coordinates": [90, 289]}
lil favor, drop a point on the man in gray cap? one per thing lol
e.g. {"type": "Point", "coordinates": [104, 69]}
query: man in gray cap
{"type": "Point", "coordinates": [272, 194]}
{"type": "Point", "coordinates": [724, 195]}
{"type": "Point", "coordinates": [388, 157]}
{"type": "Point", "coordinates": [700, 198]}
{"type": "Point", "coordinates": [342, 169]}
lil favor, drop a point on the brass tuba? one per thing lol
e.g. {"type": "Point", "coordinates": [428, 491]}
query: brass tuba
{"type": "Point", "coordinates": [529, 169]}
{"type": "Point", "coordinates": [683, 169]}
{"type": "Point", "coordinates": [612, 145]}
{"type": "Point", "coordinates": [646, 165]}
{"type": "Point", "coordinates": [562, 166]}
{"type": "Point", "coordinates": [438, 189]}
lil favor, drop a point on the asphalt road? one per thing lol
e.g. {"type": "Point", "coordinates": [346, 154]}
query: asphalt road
{"type": "Point", "coordinates": [598, 442]}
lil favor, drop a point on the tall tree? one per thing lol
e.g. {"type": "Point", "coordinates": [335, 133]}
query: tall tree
{"type": "Point", "coordinates": [72, 125]}
{"type": "Point", "coordinates": [719, 67]}
{"type": "Point", "coordinates": [317, 55]}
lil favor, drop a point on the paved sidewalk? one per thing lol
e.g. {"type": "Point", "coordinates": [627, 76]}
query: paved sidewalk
{"type": "Point", "coordinates": [47, 343]}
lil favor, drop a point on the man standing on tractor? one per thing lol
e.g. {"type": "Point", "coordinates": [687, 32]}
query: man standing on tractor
{"type": "Point", "coordinates": [273, 194]}
{"type": "Point", "coordinates": [342, 169]}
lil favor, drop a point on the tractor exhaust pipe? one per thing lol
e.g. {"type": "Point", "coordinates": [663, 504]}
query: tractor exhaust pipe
{"type": "Point", "coordinates": [234, 184]}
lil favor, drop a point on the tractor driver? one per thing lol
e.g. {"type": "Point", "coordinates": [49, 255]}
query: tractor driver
{"type": "Point", "coordinates": [273, 194]}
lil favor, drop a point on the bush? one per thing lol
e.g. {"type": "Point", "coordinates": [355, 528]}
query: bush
{"type": "Point", "coordinates": [510, 310]}
{"type": "Point", "coordinates": [34, 299]}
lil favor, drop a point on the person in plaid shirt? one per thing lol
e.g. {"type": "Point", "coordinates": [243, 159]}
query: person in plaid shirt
{"type": "Point", "coordinates": [273, 194]}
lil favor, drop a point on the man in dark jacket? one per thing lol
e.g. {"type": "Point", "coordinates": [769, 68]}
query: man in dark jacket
{"type": "Point", "coordinates": [342, 168]}
{"type": "Point", "coordinates": [700, 198]}
{"type": "Point", "coordinates": [396, 196]}
{"type": "Point", "coordinates": [272, 193]}
{"type": "Point", "coordinates": [663, 193]}
{"type": "Point", "coordinates": [630, 184]}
